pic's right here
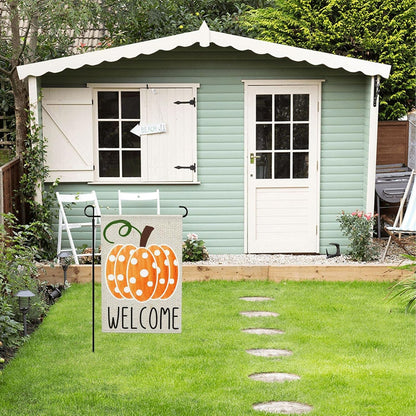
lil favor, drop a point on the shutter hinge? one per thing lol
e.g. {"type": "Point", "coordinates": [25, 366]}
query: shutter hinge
{"type": "Point", "coordinates": [190, 102]}
{"type": "Point", "coordinates": [93, 167]}
{"type": "Point", "coordinates": [192, 167]}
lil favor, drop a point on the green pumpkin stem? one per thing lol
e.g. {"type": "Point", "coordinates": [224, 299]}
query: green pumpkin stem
{"type": "Point", "coordinates": [145, 235]}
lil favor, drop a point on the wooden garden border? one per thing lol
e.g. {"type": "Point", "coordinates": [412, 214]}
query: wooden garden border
{"type": "Point", "coordinates": [190, 273]}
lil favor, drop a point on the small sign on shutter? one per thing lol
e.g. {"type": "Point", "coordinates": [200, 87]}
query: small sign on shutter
{"type": "Point", "coordinates": [138, 129]}
{"type": "Point", "coordinates": [141, 273]}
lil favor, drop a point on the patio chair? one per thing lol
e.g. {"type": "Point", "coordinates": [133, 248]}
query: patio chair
{"type": "Point", "coordinates": [63, 224]}
{"type": "Point", "coordinates": [139, 196]}
{"type": "Point", "coordinates": [404, 224]}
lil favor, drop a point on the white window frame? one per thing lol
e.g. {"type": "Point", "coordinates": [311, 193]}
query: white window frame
{"type": "Point", "coordinates": [97, 87]}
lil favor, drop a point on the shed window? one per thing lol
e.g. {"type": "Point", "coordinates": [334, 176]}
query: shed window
{"type": "Point", "coordinates": [164, 121]}
{"type": "Point", "coordinates": [119, 150]}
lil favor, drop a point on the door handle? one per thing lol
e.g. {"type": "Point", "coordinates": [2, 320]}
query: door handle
{"type": "Point", "coordinates": [253, 157]}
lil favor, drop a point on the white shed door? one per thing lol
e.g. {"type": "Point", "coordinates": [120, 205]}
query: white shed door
{"type": "Point", "coordinates": [67, 127]}
{"type": "Point", "coordinates": [283, 171]}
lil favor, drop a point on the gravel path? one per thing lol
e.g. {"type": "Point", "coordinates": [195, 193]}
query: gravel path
{"type": "Point", "coordinates": [394, 257]}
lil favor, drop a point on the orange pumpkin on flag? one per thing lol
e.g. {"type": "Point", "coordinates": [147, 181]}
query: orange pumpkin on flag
{"type": "Point", "coordinates": [142, 273]}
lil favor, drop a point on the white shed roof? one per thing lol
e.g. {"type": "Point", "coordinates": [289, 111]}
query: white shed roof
{"type": "Point", "coordinates": [205, 37]}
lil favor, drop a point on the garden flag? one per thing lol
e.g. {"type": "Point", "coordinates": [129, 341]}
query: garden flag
{"type": "Point", "coordinates": [141, 273]}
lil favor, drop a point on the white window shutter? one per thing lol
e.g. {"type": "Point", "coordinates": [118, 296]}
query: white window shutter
{"type": "Point", "coordinates": [177, 145]}
{"type": "Point", "coordinates": [67, 121]}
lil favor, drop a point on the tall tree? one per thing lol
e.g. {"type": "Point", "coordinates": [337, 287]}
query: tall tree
{"type": "Point", "coordinates": [376, 30]}
{"type": "Point", "coordinates": [32, 30]}
{"type": "Point", "coordinates": [131, 21]}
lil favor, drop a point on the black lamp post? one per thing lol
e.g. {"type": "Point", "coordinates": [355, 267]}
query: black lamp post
{"type": "Point", "coordinates": [63, 261]}
{"type": "Point", "coordinates": [24, 305]}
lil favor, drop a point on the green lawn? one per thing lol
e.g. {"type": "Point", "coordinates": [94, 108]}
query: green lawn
{"type": "Point", "coordinates": [354, 351]}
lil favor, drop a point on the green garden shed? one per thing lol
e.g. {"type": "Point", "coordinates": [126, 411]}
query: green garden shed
{"type": "Point", "coordinates": [273, 141]}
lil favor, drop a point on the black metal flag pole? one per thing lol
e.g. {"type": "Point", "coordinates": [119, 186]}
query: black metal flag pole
{"type": "Point", "coordinates": [93, 217]}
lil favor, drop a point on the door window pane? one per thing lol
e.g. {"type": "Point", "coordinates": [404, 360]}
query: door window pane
{"type": "Point", "coordinates": [282, 165]}
{"type": "Point", "coordinates": [108, 104]}
{"type": "Point", "coordinates": [301, 136]}
{"type": "Point", "coordinates": [264, 108]}
{"type": "Point", "coordinates": [264, 166]}
{"type": "Point", "coordinates": [300, 165]}
{"type": "Point", "coordinates": [301, 107]}
{"type": "Point", "coordinates": [128, 139]}
{"type": "Point", "coordinates": [282, 107]}
{"type": "Point", "coordinates": [108, 134]}
{"type": "Point", "coordinates": [264, 137]}
{"type": "Point", "coordinates": [131, 164]}
{"type": "Point", "coordinates": [130, 104]}
{"type": "Point", "coordinates": [109, 164]}
{"type": "Point", "coordinates": [282, 136]}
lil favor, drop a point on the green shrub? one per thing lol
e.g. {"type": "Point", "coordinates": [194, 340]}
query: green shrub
{"type": "Point", "coordinates": [194, 249]}
{"type": "Point", "coordinates": [406, 289]}
{"type": "Point", "coordinates": [18, 271]}
{"type": "Point", "coordinates": [358, 228]}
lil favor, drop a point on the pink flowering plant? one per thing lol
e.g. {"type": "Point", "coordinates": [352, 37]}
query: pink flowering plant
{"type": "Point", "coordinates": [358, 228]}
{"type": "Point", "coordinates": [194, 249]}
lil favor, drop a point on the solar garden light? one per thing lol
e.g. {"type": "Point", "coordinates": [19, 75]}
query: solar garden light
{"type": "Point", "coordinates": [64, 262]}
{"type": "Point", "coordinates": [24, 305]}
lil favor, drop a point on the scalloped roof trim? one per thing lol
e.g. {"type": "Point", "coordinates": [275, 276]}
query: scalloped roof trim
{"type": "Point", "coordinates": [205, 37]}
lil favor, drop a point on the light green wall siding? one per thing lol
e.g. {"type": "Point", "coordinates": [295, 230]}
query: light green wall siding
{"type": "Point", "coordinates": [216, 206]}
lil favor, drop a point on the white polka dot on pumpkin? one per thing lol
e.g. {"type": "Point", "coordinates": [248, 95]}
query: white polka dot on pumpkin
{"type": "Point", "coordinates": [144, 273]}
{"type": "Point", "coordinates": [126, 289]}
{"type": "Point", "coordinates": [139, 292]}
{"type": "Point", "coordinates": [150, 284]}
{"type": "Point", "coordinates": [158, 270]}
{"type": "Point", "coordinates": [145, 255]}
{"type": "Point", "coordinates": [132, 280]}
{"type": "Point", "coordinates": [166, 262]}
{"type": "Point", "coordinates": [111, 277]}
{"type": "Point", "coordinates": [162, 281]}
{"type": "Point", "coordinates": [171, 281]}
{"type": "Point", "coordinates": [175, 262]}
{"type": "Point", "coordinates": [154, 265]}
{"type": "Point", "coordinates": [117, 290]}
{"type": "Point", "coordinates": [131, 252]}
{"type": "Point", "coordinates": [112, 258]}
{"type": "Point", "coordinates": [134, 261]}
{"type": "Point", "coordinates": [120, 277]}
{"type": "Point", "coordinates": [167, 252]}
{"type": "Point", "coordinates": [121, 258]}
{"type": "Point", "coordinates": [157, 253]}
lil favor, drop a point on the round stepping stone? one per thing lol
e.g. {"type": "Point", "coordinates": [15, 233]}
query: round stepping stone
{"type": "Point", "coordinates": [263, 331]}
{"type": "Point", "coordinates": [256, 298]}
{"type": "Point", "coordinates": [274, 377]}
{"type": "Point", "coordinates": [283, 408]}
{"type": "Point", "coordinates": [255, 314]}
{"type": "Point", "coordinates": [269, 352]}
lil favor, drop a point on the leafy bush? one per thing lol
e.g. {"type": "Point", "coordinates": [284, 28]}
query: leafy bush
{"type": "Point", "coordinates": [18, 271]}
{"type": "Point", "coordinates": [194, 249]}
{"type": "Point", "coordinates": [406, 289]}
{"type": "Point", "coordinates": [358, 228]}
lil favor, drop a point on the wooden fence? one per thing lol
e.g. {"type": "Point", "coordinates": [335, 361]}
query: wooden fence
{"type": "Point", "coordinates": [9, 186]}
{"type": "Point", "coordinates": [392, 142]}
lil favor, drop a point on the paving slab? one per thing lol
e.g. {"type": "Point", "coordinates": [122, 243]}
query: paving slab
{"type": "Point", "coordinates": [283, 408]}
{"type": "Point", "coordinates": [274, 377]}
{"type": "Point", "coordinates": [256, 314]}
{"type": "Point", "coordinates": [263, 331]}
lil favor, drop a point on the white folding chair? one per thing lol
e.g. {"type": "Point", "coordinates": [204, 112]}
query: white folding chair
{"type": "Point", "coordinates": [404, 224]}
{"type": "Point", "coordinates": [85, 199]}
{"type": "Point", "coordinates": [139, 196]}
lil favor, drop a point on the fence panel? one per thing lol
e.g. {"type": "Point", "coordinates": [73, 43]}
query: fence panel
{"type": "Point", "coordinates": [9, 183]}
{"type": "Point", "coordinates": [392, 142]}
